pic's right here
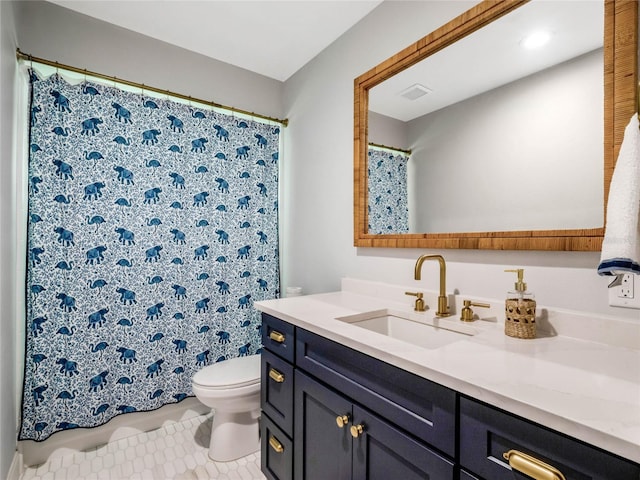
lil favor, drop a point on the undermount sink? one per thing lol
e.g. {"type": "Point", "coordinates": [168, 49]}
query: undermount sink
{"type": "Point", "coordinates": [417, 329]}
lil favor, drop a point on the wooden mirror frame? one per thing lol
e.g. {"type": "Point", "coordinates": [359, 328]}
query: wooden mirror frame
{"type": "Point", "coordinates": [620, 102]}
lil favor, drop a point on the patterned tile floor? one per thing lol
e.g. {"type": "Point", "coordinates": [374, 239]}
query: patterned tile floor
{"type": "Point", "coordinates": [177, 451]}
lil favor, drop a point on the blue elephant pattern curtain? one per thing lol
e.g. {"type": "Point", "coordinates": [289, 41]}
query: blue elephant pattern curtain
{"type": "Point", "coordinates": [152, 229]}
{"type": "Point", "coordinates": [388, 208]}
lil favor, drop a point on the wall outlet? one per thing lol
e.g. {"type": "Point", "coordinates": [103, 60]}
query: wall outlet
{"type": "Point", "coordinates": [624, 294]}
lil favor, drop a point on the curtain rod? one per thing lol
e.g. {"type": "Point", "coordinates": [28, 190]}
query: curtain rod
{"type": "Point", "coordinates": [23, 56]}
{"type": "Point", "coordinates": [408, 152]}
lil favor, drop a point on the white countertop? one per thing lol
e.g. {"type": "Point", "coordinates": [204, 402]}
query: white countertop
{"type": "Point", "coordinates": [586, 389]}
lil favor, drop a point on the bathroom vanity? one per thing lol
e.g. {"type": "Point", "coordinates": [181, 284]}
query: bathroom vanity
{"type": "Point", "coordinates": [344, 398]}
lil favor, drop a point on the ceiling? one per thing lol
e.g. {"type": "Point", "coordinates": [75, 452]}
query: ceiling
{"type": "Point", "coordinates": [272, 38]}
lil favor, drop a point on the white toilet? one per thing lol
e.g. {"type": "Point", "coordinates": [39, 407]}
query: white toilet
{"type": "Point", "coordinates": [232, 389]}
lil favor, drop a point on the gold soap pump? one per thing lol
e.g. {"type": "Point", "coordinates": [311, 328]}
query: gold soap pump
{"type": "Point", "coordinates": [520, 310]}
{"type": "Point", "coordinates": [520, 288]}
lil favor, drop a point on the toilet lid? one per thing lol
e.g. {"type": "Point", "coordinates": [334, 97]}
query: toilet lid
{"type": "Point", "coordinates": [236, 372]}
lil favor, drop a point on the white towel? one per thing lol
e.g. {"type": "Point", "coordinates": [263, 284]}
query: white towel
{"type": "Point", "coordinates": [621, 245]}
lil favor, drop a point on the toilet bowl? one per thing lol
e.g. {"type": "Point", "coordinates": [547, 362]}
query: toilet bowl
{"type": "Point", "coordinates": [232, 389]}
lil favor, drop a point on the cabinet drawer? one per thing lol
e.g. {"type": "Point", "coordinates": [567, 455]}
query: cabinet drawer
{"type": "Point", "coordinates": [278, 337]}
{"type": "Point", "coordinates": [487, 433]}
{"type": "Point", "coordinates": [276, 454]}
{"type": "Point", "coordinates": [276, 392]}
{"type": "Point", "coordinates": [419, 406]}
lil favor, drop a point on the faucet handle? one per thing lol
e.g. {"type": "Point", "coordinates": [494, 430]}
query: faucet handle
{"type": "Point", "coordinates": [467, 314]}
{"type": "Point", "coordinates": [419, 305]}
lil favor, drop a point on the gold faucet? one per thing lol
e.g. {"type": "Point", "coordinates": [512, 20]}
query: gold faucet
{"type": "Point", "coordinates": [443, 307]}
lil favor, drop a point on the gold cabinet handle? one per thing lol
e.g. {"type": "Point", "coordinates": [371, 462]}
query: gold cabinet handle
{"type": "Point", "coordinates": [276, 376]}
{"type": "Point", "coordinates": [342, 420]}
{"type": "Point", "coordinates": [531, 466]}
{"type": "Point", "coordinates": [356, 430]}
{"type": "Point", "coordinates": [276, 336]}
{"type": "Point", "coordinates": [275, 444]}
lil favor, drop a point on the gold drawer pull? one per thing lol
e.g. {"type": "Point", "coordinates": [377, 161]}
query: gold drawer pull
{"type": "Point", "coordinates": [532, 466]}
{"type": "Point", "coordinates": [276, 376]}
{"type": "Point", "coordinates": [276, 336]}
{"type": "Point", "coordinates": [275, 444]}
{"type": "Point", "coordinates": [342, 420]}
{"type": "Point", "coordinates": [356, 430]}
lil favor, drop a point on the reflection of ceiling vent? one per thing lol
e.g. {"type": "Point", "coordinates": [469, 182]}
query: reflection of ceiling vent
{"type": "Point", "coordinates": [415, 91]}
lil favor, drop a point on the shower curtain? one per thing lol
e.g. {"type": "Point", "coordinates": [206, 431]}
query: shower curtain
{"type": "Point", "coordinates": [152, 229]}
{"type": "Point", "coordinates": [388, 203]}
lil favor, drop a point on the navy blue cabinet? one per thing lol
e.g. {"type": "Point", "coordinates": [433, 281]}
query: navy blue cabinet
{"type": "Point", "coordinates": [333, 413]}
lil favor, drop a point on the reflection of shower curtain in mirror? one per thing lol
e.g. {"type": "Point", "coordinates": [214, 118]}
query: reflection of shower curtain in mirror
{"type": "Point", "coordinates": [388, 210]}
{"type": "Point", "coordinates": [152, 228]}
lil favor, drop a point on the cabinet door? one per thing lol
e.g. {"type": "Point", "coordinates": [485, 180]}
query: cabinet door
{"type": "Point", "coordinates": [322, 449]}
{"type": "Point", "coordinates": [382, 452]}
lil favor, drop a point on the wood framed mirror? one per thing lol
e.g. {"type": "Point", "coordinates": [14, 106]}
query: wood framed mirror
{"type": "Point", "coordinates": [620, 52]}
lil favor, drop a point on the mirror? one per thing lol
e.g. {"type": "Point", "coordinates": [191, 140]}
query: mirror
{"type": "Point", "coordinates": [500, 115]}
{"type": "Point", "coordinates": [457, 204]}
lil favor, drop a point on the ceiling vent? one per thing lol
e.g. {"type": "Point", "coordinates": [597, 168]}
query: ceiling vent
{"type": "Point", "coordinates": [415, 91]}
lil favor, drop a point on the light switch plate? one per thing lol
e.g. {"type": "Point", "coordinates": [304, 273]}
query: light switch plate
{"type": "Point", "coordinates": [627, 293]}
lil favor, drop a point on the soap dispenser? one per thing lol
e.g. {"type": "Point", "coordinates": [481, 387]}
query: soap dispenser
{"type": "Point", "coordinates": [520, 310]}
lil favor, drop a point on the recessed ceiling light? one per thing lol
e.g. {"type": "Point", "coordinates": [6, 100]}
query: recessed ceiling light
{"type": "Point", "coordinates": [536, 40]}
{"type": "Point", "coordinates": [414, 92]}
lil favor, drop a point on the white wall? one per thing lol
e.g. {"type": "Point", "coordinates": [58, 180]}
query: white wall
{"type": "Point", "coordinates": [318, 227]}
{"type": "Point", "coordinates": [7, 240]}
{"type": "Point", "coordinates": [388, 131]}
{"type": "Point", "coordinates": [483, 164]}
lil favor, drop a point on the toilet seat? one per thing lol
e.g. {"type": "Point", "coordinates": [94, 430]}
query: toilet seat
{"type": "Point", "coordinates": [235, 373]}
